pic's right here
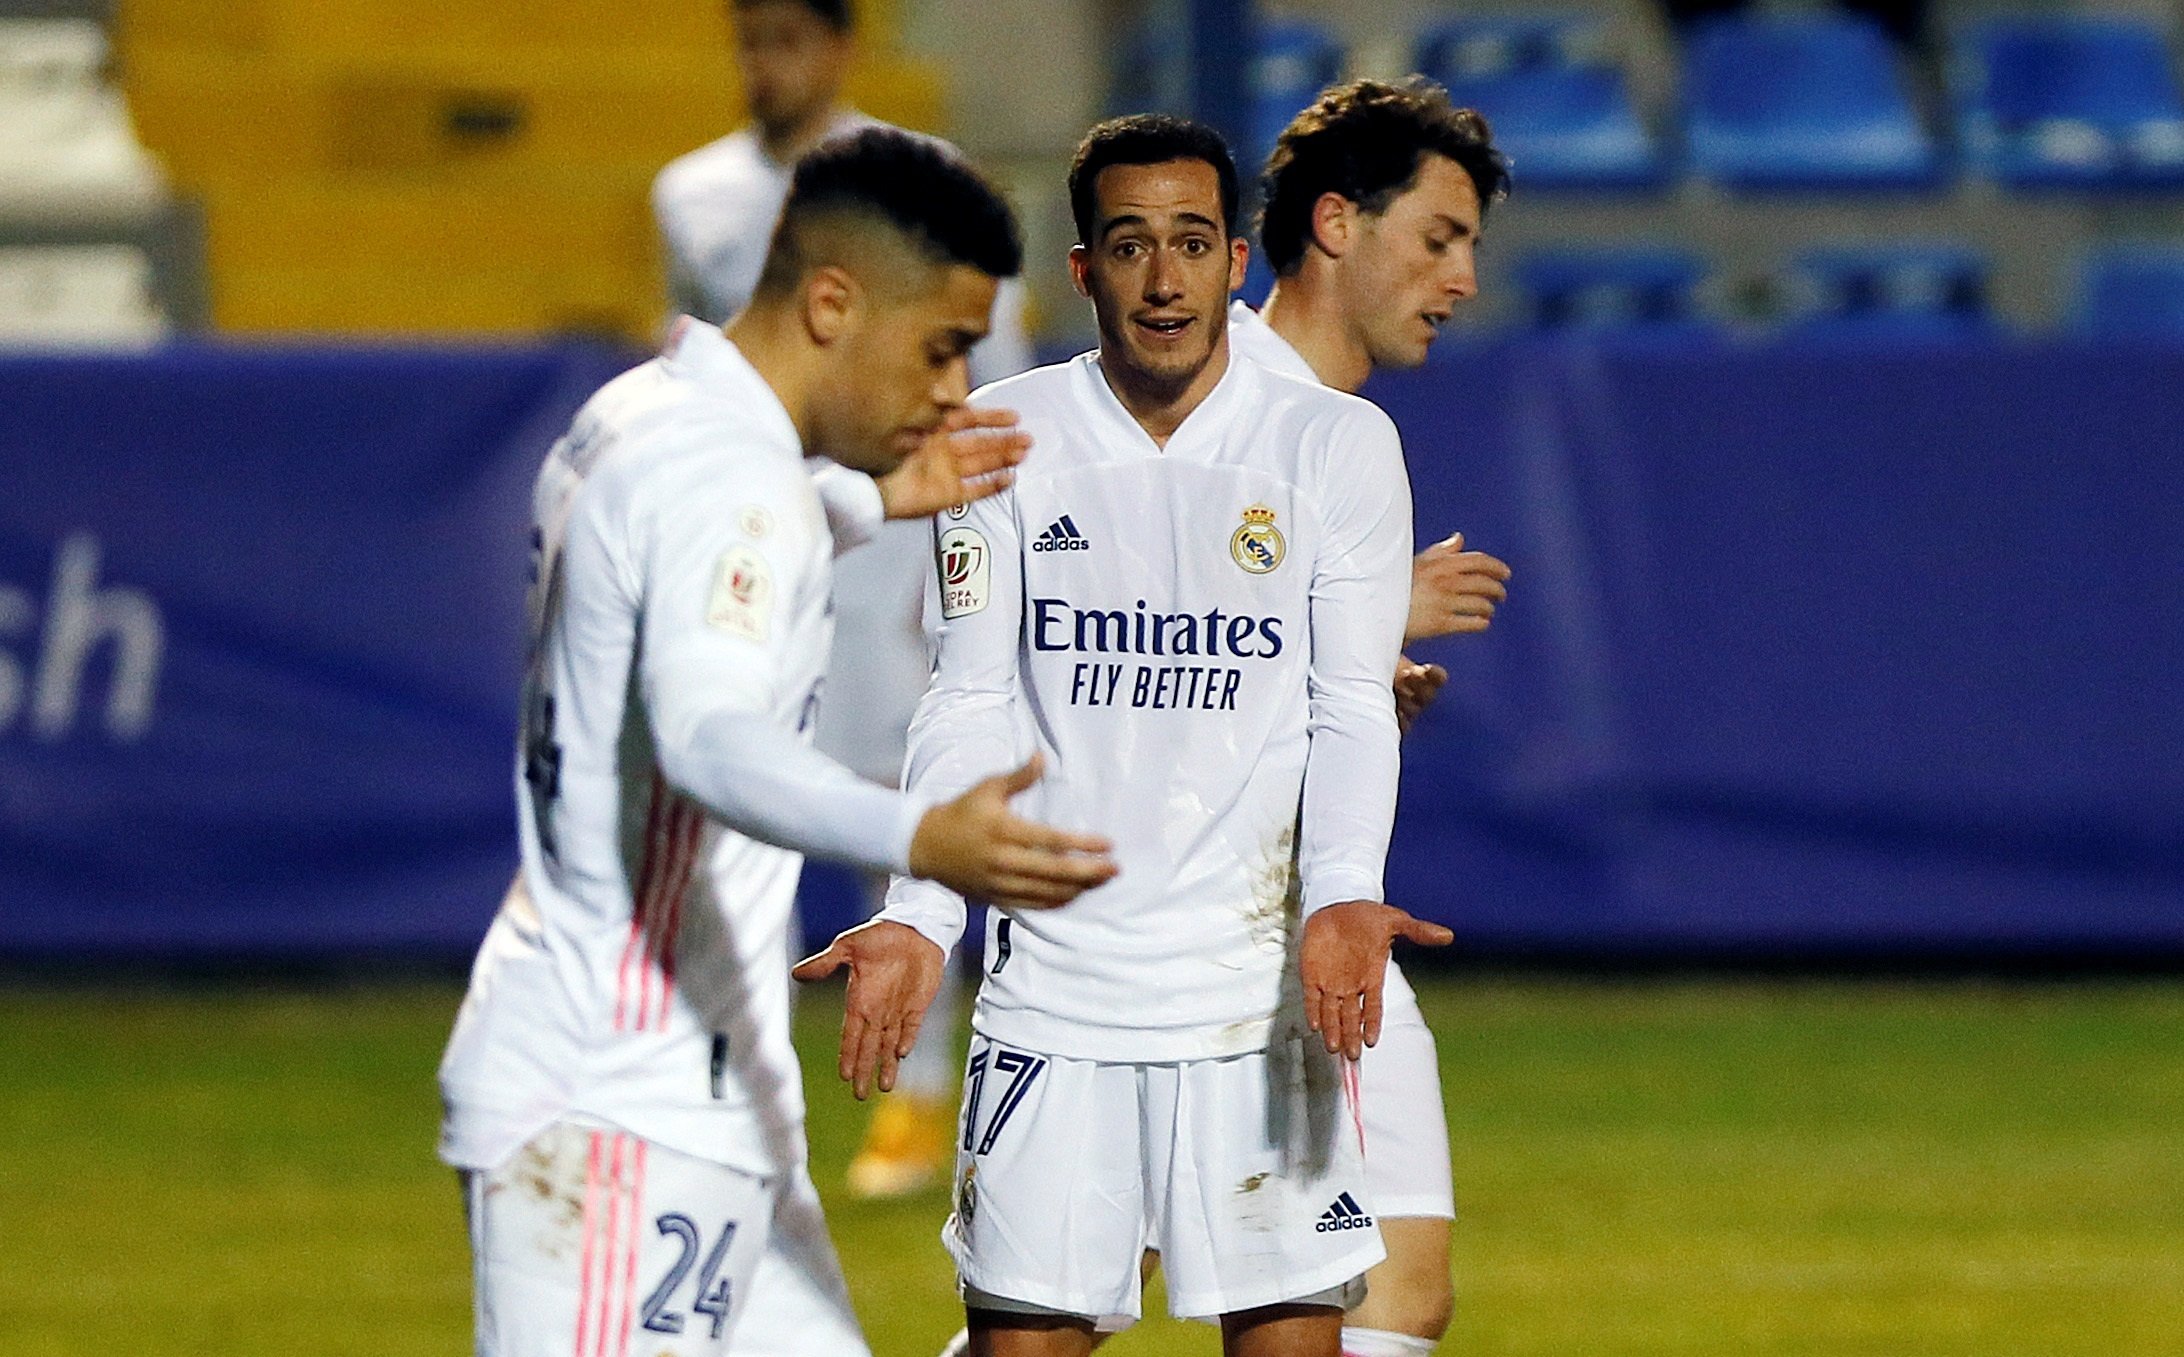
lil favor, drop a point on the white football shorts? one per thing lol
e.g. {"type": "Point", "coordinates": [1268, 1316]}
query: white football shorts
{"type": "Point", "coordinates": [590, 1242]}
{"type": "Point", "coordinates": [798, 1304]}
{"type": "Point", "coordinates": [1406, 1127]}
{"type": "Point", "coordinates": [1245, 1173]}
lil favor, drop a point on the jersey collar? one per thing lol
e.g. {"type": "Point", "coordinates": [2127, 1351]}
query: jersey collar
{"type": "Point", "coordinates": [1251, 336]}
{"type": "Point", "coordinates": [1200, 433]}
{"type": "Point", "coordinates": [702, 354]}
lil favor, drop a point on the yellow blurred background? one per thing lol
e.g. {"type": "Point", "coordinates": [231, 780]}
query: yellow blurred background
{"type": "Point", "coordinates": [407, 166]}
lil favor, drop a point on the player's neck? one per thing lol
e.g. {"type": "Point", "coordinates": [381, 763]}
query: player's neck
{"type": "Point", "coordinates": [786, 143]}
{"type": "Point", "coordinates": [767, 339]}
{"type": "Point", "coordinates": [1160, 407]}
{"type": "Point", "coordinates": [1310, 320]}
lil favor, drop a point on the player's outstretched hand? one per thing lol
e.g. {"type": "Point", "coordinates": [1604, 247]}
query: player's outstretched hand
{"type": "Point", "coordinates": [1344, 958]}
{"type": "Point", "coordinates": [894, 971]}
{"type": "Point", "coordinates": [1416, 685]}
{"type": "Point", "coordinates": [1454, 591]}
{"type": "Point", "coordinates": [977, 846]}
{"type": "Point", "coordinates": [973, 454]}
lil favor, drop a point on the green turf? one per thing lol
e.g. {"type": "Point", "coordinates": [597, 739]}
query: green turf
{"type": "Point", "coordinates": [1689, 1169]}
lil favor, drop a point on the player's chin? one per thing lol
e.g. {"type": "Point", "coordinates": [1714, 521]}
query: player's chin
{"type": "Point", "coordinates": [1407, 350]}
{"type": "Point", "coordinates": [1164, 361]}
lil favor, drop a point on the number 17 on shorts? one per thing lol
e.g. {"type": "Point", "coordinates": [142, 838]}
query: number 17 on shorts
{"type": "Point", "coordinates": [590, 1242]}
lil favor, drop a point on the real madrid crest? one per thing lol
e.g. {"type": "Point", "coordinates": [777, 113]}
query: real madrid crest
{"type": "Point", "coordinates": [1258, 546]}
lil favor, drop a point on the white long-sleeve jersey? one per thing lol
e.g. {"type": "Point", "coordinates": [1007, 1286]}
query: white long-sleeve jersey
{"type": "Point", "coordinates": [716, 208]}
{"type": "Point", "coordinates": [680, 620]}
{"type": "Point", "coordinates": [1199, 638]}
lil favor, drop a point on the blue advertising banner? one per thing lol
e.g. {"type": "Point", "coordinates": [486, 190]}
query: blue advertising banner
{"type": "Point", "coordinates": [1811, 648]}
{"type": "Point", "coordinates": [260, 622]}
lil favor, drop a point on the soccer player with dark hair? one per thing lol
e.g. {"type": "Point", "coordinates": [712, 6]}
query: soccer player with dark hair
{"type": "Point", "coordinates": [716, 208]}
{"type": "Point", "coordinates": [1190, 603]}
{"type": "Point", "coordinates": [1375, 197]}
{"type": "Point", "coordinates": [623, 1101]}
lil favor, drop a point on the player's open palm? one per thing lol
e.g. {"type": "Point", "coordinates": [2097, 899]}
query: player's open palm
{"type": "Point", "coordinates": [980, 848]}
{"type": "Point", "coordinates": [973, 454]}
{"type": "Point", "coordinates": [1454, 591]}
{"type": "Point", "coordinates": [1344, 959]}
{"type": "Point", "coordinates": [894, 972]}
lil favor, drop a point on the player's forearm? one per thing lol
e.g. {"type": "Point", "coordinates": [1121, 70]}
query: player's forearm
{"type": "Point", "coordinates": [852, 503]}
{"type": "Point", "coordinates": [1350, 778]}
{"type": "Point", "coordinates": [763, 781]}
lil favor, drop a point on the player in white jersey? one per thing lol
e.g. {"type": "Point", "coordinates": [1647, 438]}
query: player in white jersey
{"type": "Point", "coordinates": [1191, 601]}
{"type": "Point", "coordinates": [716, 207]}
{"type": "Point", "coordinates": [1375, 197]}
{"type": "Point", "coordinates": [622, 1097]}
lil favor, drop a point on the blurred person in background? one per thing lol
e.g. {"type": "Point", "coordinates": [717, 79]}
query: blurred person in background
{"type": "Point", "coordinates": [623, 1100]}
{"type": "Point", "coordinates": [1375, 197]}
{"type": "Point", "coordinates": [716, 208]}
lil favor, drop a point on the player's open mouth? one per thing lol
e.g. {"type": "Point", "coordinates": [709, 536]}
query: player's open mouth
{"type": "Point", "coordinates": [1165, 327]}
{"type": "Point", "coordinates": [1434, 319]}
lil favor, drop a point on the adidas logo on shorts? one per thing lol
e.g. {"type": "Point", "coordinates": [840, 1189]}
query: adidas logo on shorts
{"type": "Point", "coordinates": [1345, 1214]}
{"type": "Point", "coordinates": [1062, 535]}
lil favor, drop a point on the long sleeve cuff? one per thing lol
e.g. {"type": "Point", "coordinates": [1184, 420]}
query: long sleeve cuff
{"type": "Point", "coordinates": [852, 500]}
{"type": "Point", "coordinates": [1339, 885]}
{"type": "Point", "coordinates": [936, 912]}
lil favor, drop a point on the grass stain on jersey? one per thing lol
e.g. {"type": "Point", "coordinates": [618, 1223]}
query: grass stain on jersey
{"type": "Point", "coordinates": [1276, 903]}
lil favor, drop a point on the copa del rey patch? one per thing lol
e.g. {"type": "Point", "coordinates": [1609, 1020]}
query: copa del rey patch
{"type": "Point", "coordinates": [742, 602]}
{"type": "Point", "coordinates": [966, 572]}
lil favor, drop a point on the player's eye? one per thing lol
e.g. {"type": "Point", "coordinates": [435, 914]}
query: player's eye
{"type": "Point", "coordinates": [1126, 249]}
{"type": "Point", "coordinates": [1196, 246]}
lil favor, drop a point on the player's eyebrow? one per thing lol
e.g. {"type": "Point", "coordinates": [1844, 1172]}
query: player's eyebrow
{"type": "Point", "coordinates": [1459, 229]}
{"type": "Point", "coordinates": [1134, 219]}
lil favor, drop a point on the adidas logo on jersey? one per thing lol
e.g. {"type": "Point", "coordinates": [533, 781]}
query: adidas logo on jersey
{"type": "Point", "coordinates": [1062, 535]}
{"type": "Point", "coordinates": [1345, 1214]}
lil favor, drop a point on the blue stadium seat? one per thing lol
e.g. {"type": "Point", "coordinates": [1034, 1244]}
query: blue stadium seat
{"type": "Point", "coordinates": [1558, 102]}
{"type": "Point", "coordinates": [2135, 290]}
{"type": "Point", "coordinates": [1596, 290]}
{"type": "Point", "coordinates": [1882, 291]}
{"type": "Point", "coordinates": [1291, 63]}
{"type": "Point", "coordinates": [1807, 102]}
{"type": "Point", "coordinates": [2070, 103]}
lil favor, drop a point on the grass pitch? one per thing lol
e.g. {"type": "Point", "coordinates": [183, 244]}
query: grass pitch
{"type": "Point", "coordinates": [1701, 1169]}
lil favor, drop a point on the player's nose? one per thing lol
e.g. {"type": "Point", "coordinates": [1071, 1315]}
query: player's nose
{"type": "Point", "coordinates": [953, 386]}
{"type": "Point", "coordinates": [1462, 281]}
{"type": "Point", "coordinates": [1163, 281]}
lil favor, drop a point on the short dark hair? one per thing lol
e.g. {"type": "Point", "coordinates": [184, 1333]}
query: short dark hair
{"type": "Point", "coordinates": [1146, 139]}
{"type": "Point", "coordinates": [838, 15]}
{"type": "Point", "coordinates": [917, 185]}
{"type": "Point", "coordinates": [1366, 140]}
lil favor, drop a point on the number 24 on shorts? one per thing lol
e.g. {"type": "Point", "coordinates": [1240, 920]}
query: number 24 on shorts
{"type": "Point", "coordinates": [713, 1294]}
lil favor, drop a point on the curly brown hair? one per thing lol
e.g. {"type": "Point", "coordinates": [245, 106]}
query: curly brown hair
{"type": "Point", "coordinates": [1365, 140]}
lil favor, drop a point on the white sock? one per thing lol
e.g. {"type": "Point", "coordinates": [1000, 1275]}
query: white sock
{"type": "Point", "coordinates": [957, 1345]}
{"type": "Point", "coordinates": [1380, 1343]}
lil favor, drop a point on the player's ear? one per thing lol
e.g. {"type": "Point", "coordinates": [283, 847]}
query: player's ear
{"type": "Point", "coordinates": [1239, 261]}
{"type": "Point", "coordinates": [1079, 259]}
{"type": "Point", "coordinates": [833, 302]}
{"type": "Point", "coordinates": [1333, 219]}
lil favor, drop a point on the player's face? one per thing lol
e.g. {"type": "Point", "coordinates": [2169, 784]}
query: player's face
{"type": "Point", "coordinates": [903, 366]}
{"type": "Point", "coordinates": [1160, 268]}
{"type": "Point", "coordinates": [1413, 264]}
{"type": "Point", "coordinates": [792, 61]}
